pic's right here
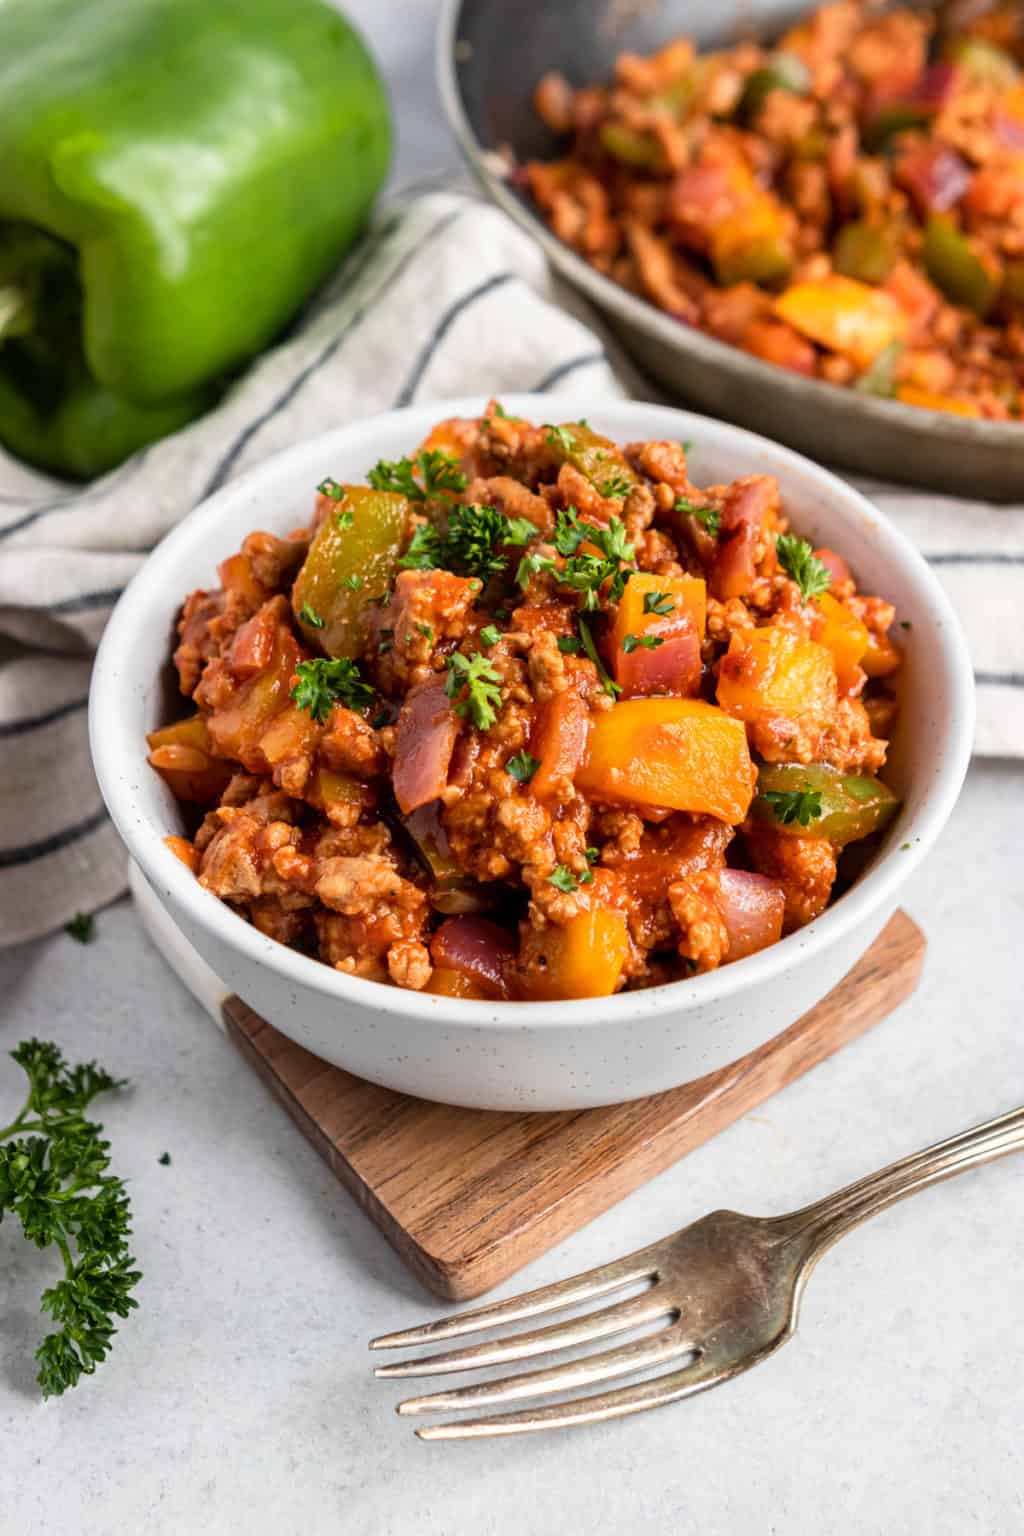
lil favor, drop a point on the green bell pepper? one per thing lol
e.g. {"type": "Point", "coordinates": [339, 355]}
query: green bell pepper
{"type": "Point", "coordinates": [782, 72]}
{"type": "Point", "coordinates": [597, 458]}
{"type": "Point", "coordinates": [351, 562]}
{"type": "Point", "coordinates": [814, 800]}
{"type": "Point", "coordinates": [866, 251]}
{"type": "Point", "coordinates": [957, 268]}
{"type": "Point", "coordinates": [178, 176]}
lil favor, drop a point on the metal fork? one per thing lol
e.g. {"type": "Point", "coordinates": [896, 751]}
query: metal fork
{"type": "Point", "coordinates": [725, 1292]}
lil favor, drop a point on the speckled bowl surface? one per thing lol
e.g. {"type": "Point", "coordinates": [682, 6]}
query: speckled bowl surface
{"type": "Point", "coordinates": [565, 1055]}
{"type": "Point", "coordinates": [490, 57]}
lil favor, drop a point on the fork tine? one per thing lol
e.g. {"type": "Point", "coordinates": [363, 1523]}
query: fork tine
{"type": "Point", "coordinates": [546, 1298]}
{"type": "Point", "coordinates": [541, 1341]}
{"type": "Point", "coordinates": [585, 1410]}
{"type": "Point", "coordinates": [639, 1355]}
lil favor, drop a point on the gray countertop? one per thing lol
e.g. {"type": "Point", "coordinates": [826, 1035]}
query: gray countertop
{"type": "Point", "coordinates": [240, 1398]}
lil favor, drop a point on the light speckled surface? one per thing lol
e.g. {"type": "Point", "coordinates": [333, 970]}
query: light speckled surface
{"type": "Point", "coordinates": [240, 1398]}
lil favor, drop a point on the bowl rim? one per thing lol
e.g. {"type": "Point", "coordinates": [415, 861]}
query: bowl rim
{"type": "Point", "coordinates": [116, 754]}
{"type": "Point", "coordinates": [694, 344]}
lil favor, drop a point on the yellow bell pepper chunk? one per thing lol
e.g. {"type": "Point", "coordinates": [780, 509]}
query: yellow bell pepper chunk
{"type": "Point", "coordinates": [688, 595]}
{"type": "Point", "coordinates": [911, 395]}
{"type": "Point", "coordinates": [845, 316]}
{"type": "Point", "coordinates": [844, 635]}
{"type": "Point", "coordinates": [754, 245]}
{"type": "Point", "coordinates": [773, 671]}
{"type": "Point", "coordinates": [584, 959]}
{"type": "Point", "coordinates": [682, 754]}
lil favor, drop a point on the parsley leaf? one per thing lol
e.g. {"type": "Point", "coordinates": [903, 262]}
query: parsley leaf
{"type": "Point", "coordinates": [632, 643]}
{"type": "Point", "coordinates": [797, 558]}
{"type": "Point", "coordinates": [332, 489]}
{"type": "Point", "coordinates": [490, 635]}
{"type": "Point", "coordinates": [569, 645]}
{"type": "Point", "coordinates": [427, 631]}
{"type": "Point", "coordinates": [425, 552]}
{"type": "Point", "coordinates": [473, 544]}
{"type": "Point", "coordinates": [795, 805]}
{"type": "Point", "coordinates": [308, 616]}
{"type": "Point", "coordinates": [616, 486]}
{"type": "Point", "coordinates": [560, 438]}
{"type": "Point", "coordinates": [439, 472]}
{"type": "Point", "coordinates": [585, 571]}
{"type": "Point", "coordinates": [562, 878]}
{"type": "Point", "coordinates": [476, 687]}
{"type": "Point", "coordinates": [587, 638]}
{"type": "Point", "coordinates": [709, 518]}
{"type": "Point", "coordinates": [82, 927]}
{"type": "Point", "coordinates": [323, 683]}
{"type": "Point", "coordinates": [591, 854]}
{"type": "Point", "coordinates": [659, 603]}
{"type": "Point", "coordinates": [54, 1179]}
{"type": "Point", "coordinates": [522, 766]}
{"type": "Point", "coordinates": [344, 520]}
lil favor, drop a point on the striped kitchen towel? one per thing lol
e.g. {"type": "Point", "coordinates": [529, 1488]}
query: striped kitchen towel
{"type": "Point", "coordinates": [444, 297]}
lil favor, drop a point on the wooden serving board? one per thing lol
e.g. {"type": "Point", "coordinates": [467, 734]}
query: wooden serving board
{"type": "Point", "coordinates": [468, 1196]}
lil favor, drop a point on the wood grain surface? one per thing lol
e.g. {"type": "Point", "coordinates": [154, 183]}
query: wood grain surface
{"type": "Point", "coordinates": [467, 1196]}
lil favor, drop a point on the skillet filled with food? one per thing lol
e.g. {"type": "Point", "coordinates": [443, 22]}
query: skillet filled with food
{"type": "Point", "coordinates": [530, 715]}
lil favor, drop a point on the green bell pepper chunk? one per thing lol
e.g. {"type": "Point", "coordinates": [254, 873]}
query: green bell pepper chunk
{"type": "Point", "coordinates": [955, 267]}
{"type": "Point", "coordinates": [631, 147]}
{"type": "Point", "coordinates": [350, 563]}
{"type": "Point", "coordinates": [984, 63]}
{"type": "Point", "coordinates": [818, 801]}
{"type": "Point", "coordinates": [200, 166]}
{"type": "Point", "coordinates": [597, 458]}
{"type": "Point", "coordinates": [865, 251]}
{"type": "Point", "coordinates": [783, 72]}
{"type": "Point", "coordinates": [880, 378]}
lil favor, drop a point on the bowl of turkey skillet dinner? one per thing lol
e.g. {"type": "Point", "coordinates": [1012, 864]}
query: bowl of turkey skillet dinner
{"type": "Point", "coordinates": [532, 753]}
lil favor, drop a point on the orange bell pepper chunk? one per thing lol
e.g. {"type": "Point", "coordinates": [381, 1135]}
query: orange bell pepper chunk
{"type": "Point", "coordinates": [682, 754]}
{"type": "Point", "coordinates": [584, 959]}
{"type": "Point", "coordinates": [674, 666]}
{"type": "Point", "coordinates": [773, 671]}
{"type": "Point", "coordinates": [881, 657]}
{"type": "Point", "coordinates": [182, 755]}
{"type": "Point", "coordinates": [928, 401]}
{"type": "Point", "coordinates": [754, 245]}
{"type": "Point", "coordinates": [845, 316]}
{"type": "Point", "coordinates": [844, 635]}
{"type": "Point", "coordinates": [445, 981]}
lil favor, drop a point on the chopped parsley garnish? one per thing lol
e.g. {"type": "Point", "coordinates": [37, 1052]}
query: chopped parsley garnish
{"type": "Point", "coordinates": [82, 927]}
{"type": "Point", "coordinates": [308, 616]}
{"type": "Point", "coordinates": [164, 1159]}
{"type": "Point", "coordinates": [798, 560]}
{"type": "Point", "coordinates": [385, 641]}
{"type": "Point", "coordinates": [476, 687]}
{"type": "Point", "coordinates": [569, 645]}
{"type": "Point", "coordinates": [710, 518]}
{"type": "Point", "coordinates": [490, 635]}
{"type": "Point", "coordinates": [353, 582]}
{"type": "Point", "coordinates": [439, 472]}
{"type": "Point", "coordinates": [632, 643]}
{"type": "Point", "coordinates": [585, 572]}
{"type": "Point", "coordinates": [617, 486]}
{"type": "Point", "coordinates": [801, 806]}
{"type": "Point", "coordinates": [323, 683]}
{"type": "Point", "coordinates": [591, 854]}
{"type": "Point", "coordinates": [472, 545]}
{"type": "Point", "coordinates": [562, 878]}
{"type": "Point", "coordinates": [345, 520]}
{"type": "Point", "coordinates": [332, 489]}
{"type": "Point", "coordinates": [427, 631]}
{"type": "Point", "coordinates": [606, 682]}
{"type": "Point", "coordinates": [686, 444]}
{"type": "Point", "coordinates": [905, 624]}
{"type": "Point", "coordinates": [379, 721]}
{"type": "Point", "coordinates": [560, 438]}
{"type": "Point", "coordinates": [522, 766]}
{"type": "Point", "coordinates": [658, 602]}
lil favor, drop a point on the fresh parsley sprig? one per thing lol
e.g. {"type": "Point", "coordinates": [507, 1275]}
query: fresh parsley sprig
{"type": "Point", "coordinates": [563, 879]}
{"type": "Point", "coordinates": [798, 560]}
{"type": "Point", "coordinates": [474, 688]}
{"type": "Point", "coordinates": [584, 571]}
{"type": "Point", "coordinates": [322, 683]}
{"type": "Point", "coordinates": [610, 687]}
{"type": "Point", "coordinates": [710, 518]}
{"type": "Point", "coordinates": [439, 475]}
{"type": "Point", "coordinates": [799, 806]}
{"type": "Point", "coordinates": [472, 545]}
{"type": "Point", "coordinates": [659, 603]}
{"type": "Point", "coordinates": [632, 643]}
{"type": "Point", "coordinates": [54, 1179]}
{"type": "Point", "coordinates": [522, 766]}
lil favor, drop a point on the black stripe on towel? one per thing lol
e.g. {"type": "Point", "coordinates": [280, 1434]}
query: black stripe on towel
{"type": "Point", "coordinates": [36, 722]}
{"type": "Point", "coordinates": [999, 679]}
{"type": "Point", "coordinates": [975, 557]}
{"type": "Point", "coordinates": [584, 360]}
{"type": "Point", "coordinates": [10, 858]}
{"type": "Point", "coordinates": [443, 326]}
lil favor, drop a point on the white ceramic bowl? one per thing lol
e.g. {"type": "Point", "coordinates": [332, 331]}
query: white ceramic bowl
{"type": "Point", "coordinates": [565, 1055]}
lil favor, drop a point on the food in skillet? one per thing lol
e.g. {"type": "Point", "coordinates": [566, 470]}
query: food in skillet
{"type": "Point", "coordinates": [530, 715]}
{"type": "Point", "coordinates": [848, 205]}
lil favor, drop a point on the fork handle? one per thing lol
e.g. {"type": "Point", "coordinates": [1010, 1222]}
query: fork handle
{"type": "Point", "coordinates": [822, 1224]}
